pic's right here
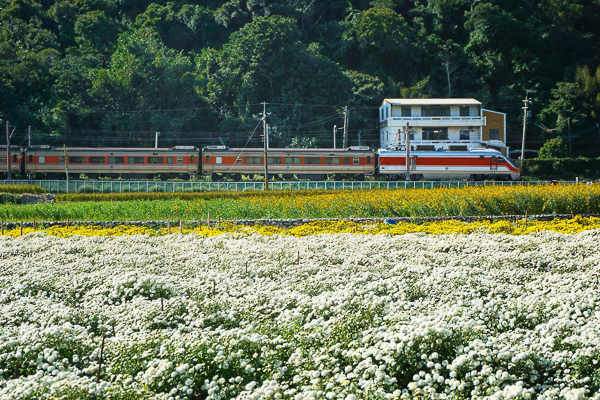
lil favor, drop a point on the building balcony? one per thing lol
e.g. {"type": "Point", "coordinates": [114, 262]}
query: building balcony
{"type": "Point", "coordinates": [433, 121]}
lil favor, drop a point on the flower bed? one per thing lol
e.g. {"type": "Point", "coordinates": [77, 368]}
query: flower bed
{"type": "Point", "coordinates": [365, 227]}
{"type": "Point", "coordinates": [339, 316]}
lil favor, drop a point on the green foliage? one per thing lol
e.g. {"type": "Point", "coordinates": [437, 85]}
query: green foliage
{"type": "Point", "coordinates": [553, 148]}
{"type": "Point", "coordinates": [8, 198]}
{"type": "Point", "coordinates": [105, 73]}
{"type": "Point", "coordinates": [22, 189]}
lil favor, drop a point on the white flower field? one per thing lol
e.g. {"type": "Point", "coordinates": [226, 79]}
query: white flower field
{"type": "Point", "coordinates": [320, 317]}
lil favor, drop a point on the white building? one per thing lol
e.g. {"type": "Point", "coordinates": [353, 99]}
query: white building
{"type": "Point", "coordinates": [441, 124]}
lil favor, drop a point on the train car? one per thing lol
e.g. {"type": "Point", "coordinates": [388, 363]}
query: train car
{"type": "Point", "coordinates": [475, 164]}
{"type": "Point", "coordinates": [304, 163]}
{"type": "Point", "coordinates": [126, 162]}
{"type": "Point", "coordinates": [16, 162]}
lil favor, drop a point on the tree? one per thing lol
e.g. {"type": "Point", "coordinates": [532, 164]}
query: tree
{"type": "Point", "coordinates": [553, 148]}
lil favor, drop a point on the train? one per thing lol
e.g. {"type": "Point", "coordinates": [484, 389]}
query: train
{"type": "Point", "coordinates": [221, 162]}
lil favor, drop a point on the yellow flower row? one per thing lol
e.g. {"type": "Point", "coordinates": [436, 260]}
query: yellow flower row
{"type": "Point", "coordinates": [574, 225]}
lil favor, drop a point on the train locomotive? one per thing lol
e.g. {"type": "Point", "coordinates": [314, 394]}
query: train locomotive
{"type": "Point", "coordinates": [221, 161]}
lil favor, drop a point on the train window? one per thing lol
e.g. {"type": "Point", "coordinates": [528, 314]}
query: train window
{"type": "Point", "coordinates": [96, 160]}
{"type": "Point", "coordinates": [41, 160]}
{"type": "Point", "coordinates": [30, 158]}
{"type": "Point", "coordinates": [274, 160]}
{"type": "Point", "coordinates": [61, 160]}
{"type": "Point", "coordinates": [346, 160]}
{"type": "Point", "coordinates": [218, 160]}
{"type": "Point", "coordinates": [135, 160]}
{"type": "Point", "coordinates": [156, 160]}
{"type": "Point", "coordinates": [368, 159]}
{"type": "Point", "coordinates": [253, 160]}
{"type": "Point", "coordinates": [15, 158]}
{"type": "Point", "coordinates": [501, 160]}
{"type": "Point", "coordinates": [2, 160]}
{"type": "Point", "coordinates": [192, 158]}
{"type": "Point", "coordinates": [169, 160]}
{"type": "Point", "coordinates": [116, 160]}
{"type": "Point", "coordinates": [76, 160]}
{"type": "Point", "coordinates": [331, 160]}
{"type": "Point", "coordinates": [180, 160]}
{"type": "Point", "coordinates": [312, 160]}
{"type": "Point", "coordinates": [293, 160]}
{"type": "Point", "coordinates": [208, 159]}
{"type": "Point", "coordinates": [355, 161]}
{"type": "Point", "coordinates": [238, 160]}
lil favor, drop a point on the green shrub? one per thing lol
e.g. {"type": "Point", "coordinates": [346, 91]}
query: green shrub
{"type": "Point", "coordinates": [9, 198]}
{"type": "Point", "coordinates": [22, 189]}
{"type": "Point", "coordinates": [86, 189]}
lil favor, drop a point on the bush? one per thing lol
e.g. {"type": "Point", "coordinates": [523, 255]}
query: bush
{"type": "Point", "coordinates": [9, 198]}
{"type": "Point", "coordinates": [22, 189]}
{"type": "Point", "coordinates": [86, 189]}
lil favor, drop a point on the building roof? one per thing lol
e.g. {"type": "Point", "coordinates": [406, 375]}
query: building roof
{"type": "Point", "coordinates": [431, 102]}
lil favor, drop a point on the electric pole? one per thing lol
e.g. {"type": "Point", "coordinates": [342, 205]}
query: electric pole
{"type": "Point", "coordinates": [8, 166]}
{"type": "Point", "coordinates": [156, 140]}
{"type": "Point", "coordinates": [526, 101]}
{"type": "Point", "coordinates": [29, 136]}
{"type": "Point", "coordinates": [334, 131]}
{"type": "Point", "coordinates": [407, 148]}
{"type": "Point", "coordinates": [266, 141]}
{"type": "Point", "coordinates": [569, 123]}
{"type": "Point", "coordinates": [345, 127]}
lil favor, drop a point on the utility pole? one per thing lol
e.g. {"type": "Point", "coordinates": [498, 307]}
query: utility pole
{"type": "Point", "coordinates": [266, 141]}
{"type": "Point", "coordinates": [29, 136]}
{"type": "Point", "coordinates": [334, 131]}
{"type": "Point", "coordinates": [407, 148]}
{"type": "Point", "coordinates": [526, 101]}
{"type": "Point", "coordinates": [345, 127]}
{"type": "Point", "coordinates": [66, 165]}
{"type": "Point", "coordinates": [8, 166]}
{"type": "Point", "coordinates": [156, 140]}
{"type": "Point", "coordinates": [569, 123]}
{"type": "Point", "coordinates": [359, 132]}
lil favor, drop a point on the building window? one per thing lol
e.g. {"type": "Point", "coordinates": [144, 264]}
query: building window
{"type": "Point", "coordinates": [435, 111]}
{"type": "Point", "coordinates": [387, 112]}
{"type": "Point", "coordinates": [494, 134]}
{"type": "Point", "coordinates": [293, 160]}
{"type": "Point", "coordinates": [96, 160]}
{"type": "Point", "coordinates": [464, 134]}
{"type": "Point", "coordinates": [116, 160]}
{"type": "Point", "coordinates": [464, 111]}
{"type": "Point", "coordinates": [435, 133]}
{"type": "Point", "coordinates": [76, 160]}
{"type": "Point", "coordinates": [382, 117]}
{"type": "Point", "coordinates": [406, 111]}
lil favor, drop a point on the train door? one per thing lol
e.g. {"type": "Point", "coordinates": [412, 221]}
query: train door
{"type": "Point", "coordinates": [494, 163]}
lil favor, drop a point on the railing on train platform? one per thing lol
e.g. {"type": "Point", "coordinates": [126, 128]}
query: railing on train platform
{"type": "Point", "coordinates": [87, 186]}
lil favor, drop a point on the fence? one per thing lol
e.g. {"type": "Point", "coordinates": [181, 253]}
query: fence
{"type": "Point", "coordinates": [62, 186]}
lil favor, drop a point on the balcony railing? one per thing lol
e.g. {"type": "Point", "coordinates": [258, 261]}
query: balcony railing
{"type": "Point", "coordinates": [435, 121]}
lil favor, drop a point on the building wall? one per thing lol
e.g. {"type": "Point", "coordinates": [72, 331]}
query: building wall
{"type": "Point", "coordinates": [494, 120]}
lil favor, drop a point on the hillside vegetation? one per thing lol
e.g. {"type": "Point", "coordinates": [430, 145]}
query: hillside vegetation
{"type": "Point", "coordinates": [113, 73]}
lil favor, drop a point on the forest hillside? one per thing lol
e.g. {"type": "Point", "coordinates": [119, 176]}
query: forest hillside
{"type": "Point", "coordinates": [114, 72]}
